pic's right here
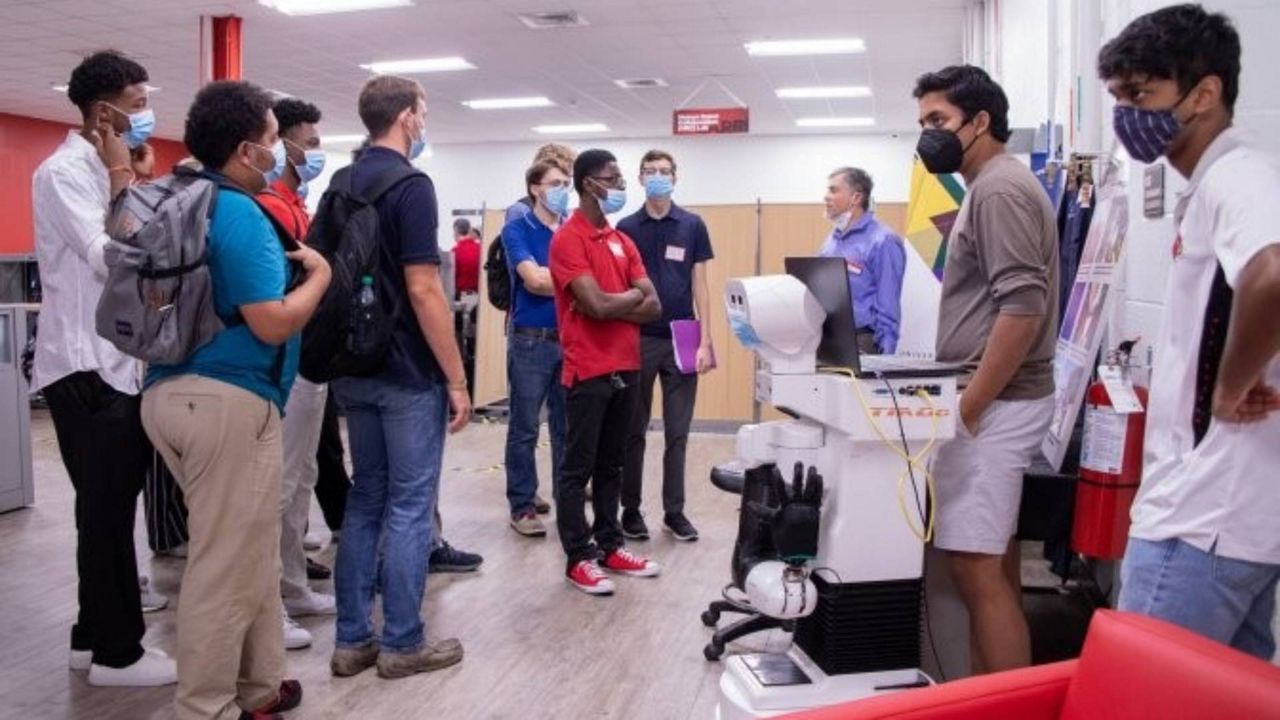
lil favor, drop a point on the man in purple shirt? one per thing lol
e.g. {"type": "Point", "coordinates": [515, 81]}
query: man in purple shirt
{"type": "Point", "coordinates": [874, 257]}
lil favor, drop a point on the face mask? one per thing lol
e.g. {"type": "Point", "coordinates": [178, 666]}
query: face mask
{"type": "Point", "coordinates": [613, 201]}
{"type": "Point", "coordinates": [940, 151]}
{"type": "Point", "coordinates": [658, 186]}
{"type": "Point", "coordinates": [302, 191]}
{"type": "Point", "coordinates": [841, 221]}
{"type": "Point", "coordinates": [1146, 134]}
{"type": "Point", "coordinates": [141, 125]}
{"type": "Point", "coordinates": [556, 200]}
{"type": "Point", "coordinates": [277, 154]}
{"type": "Point", "coordinates": [418, 144]}
{"type": "Point", "coordinates": [311, 167]}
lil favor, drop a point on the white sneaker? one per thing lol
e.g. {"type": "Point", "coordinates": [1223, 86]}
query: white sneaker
{"type": "Point", "coordinates": [80, 659]}
{"type": "Point", "coordinates": [313, 541]}
{"type": "Point", "coordinates": [153, 669]}
{"type": "Point", "coordinates": [296, 637]}
{"type": "Point", "coordinates": [311, 603]}
{"type": "Point", "coordinates": [152, 601]}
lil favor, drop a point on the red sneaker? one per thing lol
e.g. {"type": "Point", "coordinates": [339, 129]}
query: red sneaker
{"type": "Point", "coordinates": [628, 563]}
{"type": "Point", "coordinates": [587, 577]}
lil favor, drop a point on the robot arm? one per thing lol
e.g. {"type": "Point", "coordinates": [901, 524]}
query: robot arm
{"type": "Point", "coordinates": [779, 586]}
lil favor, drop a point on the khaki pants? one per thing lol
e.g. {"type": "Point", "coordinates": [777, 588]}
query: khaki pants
{"type": "Point", "coordinates": [223, 445]}
{"type": "Point", "coordinates": [300, 432]}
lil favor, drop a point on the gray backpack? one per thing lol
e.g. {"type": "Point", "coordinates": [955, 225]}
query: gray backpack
{"type": "Point", "coordinates": [157, 305]}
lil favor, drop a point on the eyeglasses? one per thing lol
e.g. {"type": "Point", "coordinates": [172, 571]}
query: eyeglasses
{"type": "Point", "coordinates": [665, 172]}
{"type": "Point", "coordinates": [556, 183]}
{"type": "Point", "coordinates": [614, 181]}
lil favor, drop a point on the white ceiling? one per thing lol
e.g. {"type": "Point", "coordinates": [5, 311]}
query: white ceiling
{"type": "Point", "coordinates": [317, 58]}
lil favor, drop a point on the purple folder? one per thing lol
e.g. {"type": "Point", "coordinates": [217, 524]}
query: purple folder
{"type": "Point", "coordinates": [686, 336]}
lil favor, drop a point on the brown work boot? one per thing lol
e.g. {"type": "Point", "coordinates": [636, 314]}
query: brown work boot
{"type": "Point", "coordinates": [354, 660]}
{"type": "Point", "coordinates": [432, 656]}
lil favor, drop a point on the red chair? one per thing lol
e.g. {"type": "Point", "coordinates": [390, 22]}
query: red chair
{"type": "Point", "coordinates": [1133, 667]}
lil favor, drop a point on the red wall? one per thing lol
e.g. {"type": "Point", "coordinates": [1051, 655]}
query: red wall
{"type": "Point", "coordinates": [24, 144]}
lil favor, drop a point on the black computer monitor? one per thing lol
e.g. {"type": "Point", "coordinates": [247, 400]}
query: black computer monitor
{"type": "Point", "coordinates": [828, 282]}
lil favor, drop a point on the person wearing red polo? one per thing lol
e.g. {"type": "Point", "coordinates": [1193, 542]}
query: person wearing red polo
{"type": "Point", "coordinates": [602, 297]}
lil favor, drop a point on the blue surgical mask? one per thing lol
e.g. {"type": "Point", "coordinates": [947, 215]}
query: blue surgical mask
{"type": "Point", "coordinates": [557, 200]}
{"type": "Point", "coordinates": [418, 144]}
{"type": "Point", "coordinates": [613, 200]}
{"type": "Point", "coordinates": [311, 167]}
{"type": "Point", "coordinates": [141, 125]}
{"type": "Point", "coordinates": [658, 186]}
{"type": "Point", "coordinates": [278, 154]}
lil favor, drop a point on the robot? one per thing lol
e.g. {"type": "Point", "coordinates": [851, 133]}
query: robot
{"type": "Point", "coordinates": [854, 601]}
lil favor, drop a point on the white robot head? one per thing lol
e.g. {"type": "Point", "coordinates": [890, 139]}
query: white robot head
{"type": "Point", "coordinates": [776, 317]}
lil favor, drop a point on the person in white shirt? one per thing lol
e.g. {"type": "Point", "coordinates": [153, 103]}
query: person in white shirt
{"type": "Point", "coordinates": [91, 387]}
{"type": "Point", "coordinates": [1204, 545]}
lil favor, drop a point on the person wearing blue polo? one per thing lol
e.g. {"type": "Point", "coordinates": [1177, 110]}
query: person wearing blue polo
{"type": "Point", "coordinates": [675, 247]}
{"type": "Point", "coordinates": [874, 256]}
{"type": "Point", "coordinates": [534, 359]}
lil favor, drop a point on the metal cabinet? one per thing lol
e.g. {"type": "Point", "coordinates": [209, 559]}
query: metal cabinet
{"type": "Point", "coordinates": [17, 483]}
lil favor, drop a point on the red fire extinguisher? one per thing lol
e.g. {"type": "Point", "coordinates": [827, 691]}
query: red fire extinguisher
{"type": "Point", "coordinates": [1110, 465]}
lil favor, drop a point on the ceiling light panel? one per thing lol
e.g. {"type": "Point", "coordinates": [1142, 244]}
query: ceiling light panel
{"type": "Point", "coordinates": [830, 122]}
{"type": "Point", "coordinates": [324, 7]}
{"type": "Point", "coordinates": [571, 129]}
{"type": "Point", "coordinates": [419, 65]}
{"type": "Point", "coordinates": [831, 91]}
{"type": "Point", "coordinates": [508, 103]}
{"type": "Point", "coordinates": [830, 46]}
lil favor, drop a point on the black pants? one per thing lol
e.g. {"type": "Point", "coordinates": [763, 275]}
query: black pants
{"type": "Point", "coordinates": [598, 412]}
{"type": "Point", "coordinates": [164, 507]}
{"type": "Point", "coordinates": [679, 391]}
{"type": "Point", "coordinates": [105, 452]}
{"type": "Point", "coordinates": [332, 481]}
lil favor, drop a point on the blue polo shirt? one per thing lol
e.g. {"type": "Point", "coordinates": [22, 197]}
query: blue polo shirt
{"type": "Point", "coordinates": [409, 220]}
{"type": "Point", "coordinates": [875, 259]}
{"type": "Point", "coordinates": [526, 238]}
{"type": "Point", "coordinates": [247, 266]}
{"type": "Point", "coordinates": [670, 246]}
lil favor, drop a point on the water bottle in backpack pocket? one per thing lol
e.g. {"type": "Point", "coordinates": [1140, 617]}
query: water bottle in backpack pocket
{"type": "Point", "coordinates": [365, 336]}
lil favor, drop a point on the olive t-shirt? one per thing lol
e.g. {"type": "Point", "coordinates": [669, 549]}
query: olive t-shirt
{"type": "Point", "coordinates": [1002, 257]}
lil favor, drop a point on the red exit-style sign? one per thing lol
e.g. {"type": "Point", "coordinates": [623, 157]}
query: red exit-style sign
{"type": "Point", "coordinates": [710, 121]}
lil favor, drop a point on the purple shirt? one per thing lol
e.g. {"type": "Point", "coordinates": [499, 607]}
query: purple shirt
{"type": "Point", "coordinates": [875, 260]}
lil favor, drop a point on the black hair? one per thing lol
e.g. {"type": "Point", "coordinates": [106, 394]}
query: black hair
{"type": "Point", "coordinates": [382, 100]}
{"type": "Point", "coordinates": [858, 180]}
{"type": "Point", "coordinates": [223, 115]}
{"type": "Point", "coordinates": [588, 162]}
{"type": "Point", "coordinates": [292, 112]}
{"type": "Point", "coordinates": [972, 90]}
{"type": "Point", "coordinates": [462, 226]}
{"type": "Point", "coordinates": [1183, 43]}
{"type": "Point", "coordinates": [101, 76]}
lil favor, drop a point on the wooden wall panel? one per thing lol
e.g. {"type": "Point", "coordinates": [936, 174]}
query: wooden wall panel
{"type": "Point", "coordinates": [491, 338]}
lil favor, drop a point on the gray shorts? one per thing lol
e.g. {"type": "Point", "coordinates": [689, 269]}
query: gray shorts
{"type": "Point", "coordinates": [978, 479]}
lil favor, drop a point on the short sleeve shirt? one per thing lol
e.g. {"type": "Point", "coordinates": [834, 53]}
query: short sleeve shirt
{"type": "Point", "coordinates": [1002, 257]}
{"type": "Point", "coordinates": [248, 266]}
{"type": "Point", "coordinates": [594, 347]}
{"type": "Point", "coordinates": [670, 246]}
{"type": "Point", "coordinates": [409, 221]}
{"type": "Point", "coordinates": [526, 238]}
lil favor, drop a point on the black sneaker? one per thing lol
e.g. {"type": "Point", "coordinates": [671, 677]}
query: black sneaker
{"type": "Point", "coordinates": [633, 526]}
{"type": "Point", "coordinates": [447, 558]}
{"type": "Point", "coordinates": [316, 571]}
{"type": "Point", "coordinates": [679, 527]}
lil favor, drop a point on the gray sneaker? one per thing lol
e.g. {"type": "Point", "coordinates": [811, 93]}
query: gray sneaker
{"type": "Point", "coordinates": [432, 656]}
{"type": "Point", "coordinates": [353, 661]}
{"type": "Point", "coordinates": [528, 524]}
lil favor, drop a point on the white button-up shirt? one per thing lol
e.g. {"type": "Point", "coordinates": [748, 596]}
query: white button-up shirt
{"type": "Point", "coordinates": [70, 193]}
{"type": "Point", "coordinates": [1221, 494]}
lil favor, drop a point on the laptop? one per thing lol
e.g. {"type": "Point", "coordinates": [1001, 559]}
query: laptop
{"type": "Point", "coordinates": [828, 281]}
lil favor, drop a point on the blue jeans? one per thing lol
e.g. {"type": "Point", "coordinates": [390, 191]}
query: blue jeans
{"type": "Point", "coordinates": [533, 371]}
{"type": "Point", "coordinates": [397, 443]}
{"type": "Point", "coordinates": [1231, 601]}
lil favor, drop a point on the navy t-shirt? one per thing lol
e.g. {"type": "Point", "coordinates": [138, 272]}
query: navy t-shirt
{"type": "Point", "coordinates": [409, 221]}
{"type": "Point", "coordinates": [526, 238]}
{"type": "Point", "coordinates": [670, 247]}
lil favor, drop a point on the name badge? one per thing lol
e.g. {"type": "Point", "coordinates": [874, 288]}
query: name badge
{"type": "Point", "coordinates": [853, 267]}
{"type": "Point", "coordinates": [675, 253]}
{"type": "Point", "coordinates": [615, 247]}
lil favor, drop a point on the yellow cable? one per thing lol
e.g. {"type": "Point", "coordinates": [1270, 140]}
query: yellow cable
{"type": "Point", "coordinates": [925, 532]}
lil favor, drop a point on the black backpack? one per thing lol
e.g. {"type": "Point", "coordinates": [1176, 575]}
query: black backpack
{"type": "Point", "coordinates": [496, 272]}
{"type": "Point", "coordinates": [347, 231]}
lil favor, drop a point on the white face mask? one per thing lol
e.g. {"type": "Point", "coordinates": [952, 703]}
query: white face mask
{"type": "Point", "coordinates": [841, 221]}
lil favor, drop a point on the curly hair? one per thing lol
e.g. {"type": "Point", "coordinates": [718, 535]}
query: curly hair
{"type": "Point", "coordinates": [292, 112]}
{"type": "Point", "coordinates": [562, 155]}
{"type": "Point", "coordinates": [971, 89]}
{"type": "Point", "coordinates": [1183, 43]}
{"type": "Point", "coordinates": [101, 76]}
{"type": "Point", "coordinates": [223, 115]}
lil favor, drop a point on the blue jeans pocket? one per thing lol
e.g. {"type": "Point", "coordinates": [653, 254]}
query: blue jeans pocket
{"type": "Point", "coordinates": [1238, 575]}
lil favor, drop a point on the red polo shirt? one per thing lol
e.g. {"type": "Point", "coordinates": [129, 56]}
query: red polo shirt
{"type": "Point", "coordinates": [287, 208]}
{"type": "Point", "coordinates": [594, 347]}
{"type": "Point", "coordinates": [466, 263]}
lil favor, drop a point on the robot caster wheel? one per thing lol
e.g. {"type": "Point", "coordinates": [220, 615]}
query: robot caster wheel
{"type": "Point", "coordinates": [710, 618]}
{"type": "Point", "coordinates": [713, 651]}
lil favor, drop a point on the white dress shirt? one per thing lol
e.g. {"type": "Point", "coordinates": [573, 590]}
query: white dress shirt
{"type": "Point", "coordinates": [70, 193]}
{"type": "Point", "coordinates": [1220, 494]}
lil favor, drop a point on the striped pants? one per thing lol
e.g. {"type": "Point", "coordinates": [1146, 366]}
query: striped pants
{"type": "Point", "coordinates": [163, 506]}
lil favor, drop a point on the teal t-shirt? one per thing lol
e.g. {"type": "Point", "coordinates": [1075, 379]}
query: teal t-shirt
{"type": "Point", "coordinates": [248, 266]}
